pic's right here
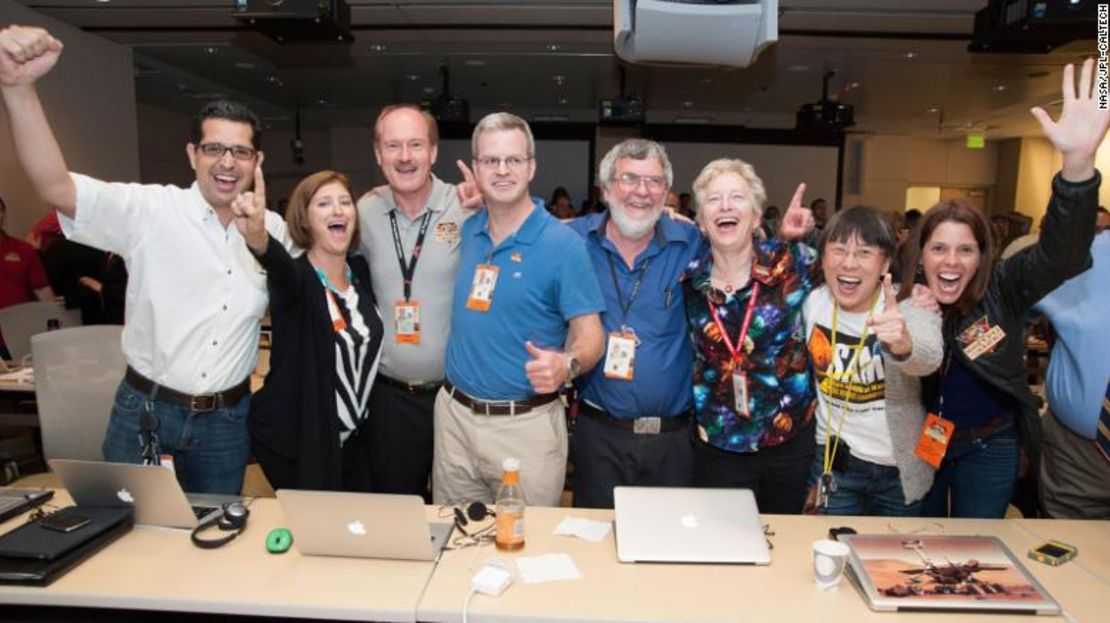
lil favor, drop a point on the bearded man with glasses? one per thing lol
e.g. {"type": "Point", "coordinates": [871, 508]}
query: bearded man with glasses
{"type": "Point", "coordinates": [196, 295]}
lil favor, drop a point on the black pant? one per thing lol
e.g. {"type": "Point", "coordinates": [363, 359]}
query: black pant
{"type": "Point", "coordinates": [605, 457]}
{"type": "Point", "coordinates": [400, 438]}
{"type": "Point", "coordinates": [777, 475]}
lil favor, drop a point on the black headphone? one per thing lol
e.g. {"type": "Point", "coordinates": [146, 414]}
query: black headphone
{"type": "Point", "coordinates": [475, 511]}
{"type": "Point", "coordinates": [232, 517]}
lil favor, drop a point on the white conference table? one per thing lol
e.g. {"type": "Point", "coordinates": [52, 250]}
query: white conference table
{"type": "Point", "coordinates": [152, 569]}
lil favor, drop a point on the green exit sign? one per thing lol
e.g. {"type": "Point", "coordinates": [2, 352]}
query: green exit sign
{"type": "Point", "coordinates": [976, 141]}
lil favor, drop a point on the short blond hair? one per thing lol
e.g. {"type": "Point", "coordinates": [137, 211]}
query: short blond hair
{"type": "Point", "coordinates": [724, 166]}
{"type": "Point", "coordinates": [500, 122]}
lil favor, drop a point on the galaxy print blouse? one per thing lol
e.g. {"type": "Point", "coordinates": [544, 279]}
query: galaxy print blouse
{"type": "Point", "coordinates": [781, 395]}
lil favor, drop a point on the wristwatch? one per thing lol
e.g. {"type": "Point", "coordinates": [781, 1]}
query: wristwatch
{"type": "Point", "coordinates": [574, 368]}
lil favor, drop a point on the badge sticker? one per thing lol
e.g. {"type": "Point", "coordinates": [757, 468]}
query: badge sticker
{"type": "Point", "coordinates": [447, 233]}
{"type": "Point", "coordinates": [406, 321]}
{"type": "Point", "coordinates": [481, 288]}
{"type": "Point", "coordinates": [981, 338]}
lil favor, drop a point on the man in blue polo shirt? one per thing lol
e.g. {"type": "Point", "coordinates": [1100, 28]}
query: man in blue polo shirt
{"type": "Point", "coordinates": [634, 424]}
{"type": "Point", "coordinates": [1075, 466]}
{"type": "Point", "coordinates": [524, 321]}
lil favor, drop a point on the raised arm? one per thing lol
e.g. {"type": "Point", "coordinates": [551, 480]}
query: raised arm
{"type": "Point", "coordinates": [1081, 126]}
{"type": "Point", "coordinates": [27, 54]}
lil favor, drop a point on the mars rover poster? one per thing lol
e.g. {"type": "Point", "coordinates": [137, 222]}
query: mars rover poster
{"type": "Point", "coordinates": [909, 572]}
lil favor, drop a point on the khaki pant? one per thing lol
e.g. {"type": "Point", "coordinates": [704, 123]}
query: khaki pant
{"type": "Point", "coordinates": [469, 449]}
{"type": "Point", "coordinates": [1074, 475]}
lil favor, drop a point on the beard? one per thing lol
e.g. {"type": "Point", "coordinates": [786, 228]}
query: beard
{"type": "Point", "coordinates": [630, 227]}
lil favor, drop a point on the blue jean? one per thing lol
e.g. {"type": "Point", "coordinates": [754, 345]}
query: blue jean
{"type": "Point", "coordinates": [980, 476]}
{"type": "Point", "coordinates": [865, 488]}
{"type": "Point", "coordinates": [210, 448]}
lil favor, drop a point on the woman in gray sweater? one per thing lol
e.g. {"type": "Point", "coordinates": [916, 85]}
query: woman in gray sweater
{"type": "Point", "coordinates": [867, 352]}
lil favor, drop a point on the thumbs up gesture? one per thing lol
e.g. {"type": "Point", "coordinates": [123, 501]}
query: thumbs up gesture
{"type": "Point", "coordinates": [249, 210]}
{"type": "Point", "coordinates": [890, 326]}
{"type": "Point", "coordinates": [547, 370]}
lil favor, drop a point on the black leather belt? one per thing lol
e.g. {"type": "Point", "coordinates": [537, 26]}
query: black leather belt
{"type": "Point", "coordinates": [639, 425]}
{"type": "Point", "coordinates": [412, 388]}
{"type": "Point", "coordinates": [204, 402]}
{"type": "Point", "coordinates": [964, 435]}
{"type": "Point", "coordinates": [500, 407]}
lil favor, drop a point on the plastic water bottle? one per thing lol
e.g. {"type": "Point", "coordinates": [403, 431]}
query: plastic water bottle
{"type": "Point", "coordinates": [509, 534]}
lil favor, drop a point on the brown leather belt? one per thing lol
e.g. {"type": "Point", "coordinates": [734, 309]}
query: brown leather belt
{"type": "Point", "coordinates": [204, 402]}
{"type": "Point", "coordinates": [638, 425]}
{"type": "Point", "coordinates": [964, 435]}
{"type": "Point", "coordinates": [500, 407]}
{"type": "Point", "coordinates": [412, 388]}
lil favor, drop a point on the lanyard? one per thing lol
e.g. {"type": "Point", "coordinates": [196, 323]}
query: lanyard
{"type": "Point", "coordinates": [830, 453]}
{"type": "Point", "coordinates": [408, 271]}
{"type": "Point", "coordinates": [617, 286]}
{"type": "Point", "coordinates": [743, 336]}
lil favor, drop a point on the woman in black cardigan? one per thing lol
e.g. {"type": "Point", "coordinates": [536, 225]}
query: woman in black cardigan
{"type": "Point", "coordinates": [306, 423]}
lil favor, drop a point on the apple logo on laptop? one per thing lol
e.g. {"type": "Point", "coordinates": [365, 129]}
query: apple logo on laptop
{"type": "Point", "coordinates": [125, 496]}
{"type": "Point", "coordinates": [356, 528]}
{"type": "Point", "coordinates": [689, 521]}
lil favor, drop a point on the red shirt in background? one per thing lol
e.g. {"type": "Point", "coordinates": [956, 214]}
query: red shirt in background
{"type": "Point", "coordinates": [21, 271]}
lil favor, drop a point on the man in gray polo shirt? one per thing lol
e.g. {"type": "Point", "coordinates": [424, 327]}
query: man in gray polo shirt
{"type": "Point", "coordinates": [409, 233]}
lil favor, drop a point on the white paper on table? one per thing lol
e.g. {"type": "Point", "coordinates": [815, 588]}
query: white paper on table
{"type": "Point", "coordinates": [588, 529]}
{"type": "Point", "coordinates": [25, 375]}
{"type": "Point", "coordinates": [547, 568]}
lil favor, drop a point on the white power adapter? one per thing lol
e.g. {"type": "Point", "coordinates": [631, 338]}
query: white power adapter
{"type": "Point", "coordinates": [492, 579]}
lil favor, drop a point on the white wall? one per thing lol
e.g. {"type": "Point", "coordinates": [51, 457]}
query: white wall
{"type": "Point", "coordinates": [891, 164]}
{"type": "Point", "coordinates": [89, 98]}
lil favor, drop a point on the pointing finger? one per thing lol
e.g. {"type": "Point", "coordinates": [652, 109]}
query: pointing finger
{"type": "Point", "coordinates": [890, 298]}
{"type": "Point", "coordinates": [467, 174]}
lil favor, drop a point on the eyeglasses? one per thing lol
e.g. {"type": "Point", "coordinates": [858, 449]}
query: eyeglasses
{"type": "Point", "coordinates": [630, 181]}
{"type": "Point", "coordinates": [217, 150]}
{"type": "Point", "coordinates": [514, 163]}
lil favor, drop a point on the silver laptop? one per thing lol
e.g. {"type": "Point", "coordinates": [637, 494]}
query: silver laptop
{"type": "Point", "coordinates": [943, 573]}
{"type": "Point", "coordinates": [362, 525]}
{"type": "Point", "coordinates": [659, 524]}
{"type": "Point", "coordinates": [153, 492]}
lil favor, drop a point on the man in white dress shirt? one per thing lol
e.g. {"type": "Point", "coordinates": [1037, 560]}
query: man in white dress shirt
{"type": "Point", "coordinates": [196, 295]}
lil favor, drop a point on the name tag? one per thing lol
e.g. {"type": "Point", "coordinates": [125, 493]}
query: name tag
{"type": "Point", "coordinates": [481, 287]}
{"type": "Point", "coordinates": [932, 444]}
{"type": "Point", "coordinates": [406, 320]}
{"type": "Point", "coordinates": [740, 394]}
{"type": "Point", "coordinates": [620, 356]}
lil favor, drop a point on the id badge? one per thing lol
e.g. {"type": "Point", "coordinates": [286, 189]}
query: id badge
{"type": "Point", "coordinates": [933, 442]}
{"type": "Point", "coordinates": [620, 356]}
{"type": "Point", "coordinates": [740, 394]}
{"type": "Point", "coordinates": [481, 288]}
{"type": "Point", "coordinates": [406, 321]}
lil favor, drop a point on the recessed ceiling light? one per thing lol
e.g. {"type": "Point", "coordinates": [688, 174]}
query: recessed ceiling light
{"type": "Point", "coordinates": [909, 55]}
{"type": "Point", "coordinates": [413, 77]}
{"type": "Point", "coordinates": [211, 49]}
{"type": "Point", "coordinates": [475, 62]}
{"type": "Point", "coordinates": [707, 81]}
{"type": "Point", "coordinates": [553, 47]}
{"type": "Point", "coordinates": [688, 104]}
{"type": "Point", "coordinates": [429, 90]}
{"type": "Point", "coordinates": [321, 101]}
{"type": "Point", "coordinates": [998, 88]}
{"type": "Point", "coordinates": [559, 79]}
{"type": "Point", "coordinates": [932, 110]}
{"type": "Point", "coordinates": [852, 86]}
{"type": "Point", "coordinates": [563, 101]}
{"type": "Point", "coordinates": [376, 47]}
{"type": "Point", "coordinates": [244, 65]}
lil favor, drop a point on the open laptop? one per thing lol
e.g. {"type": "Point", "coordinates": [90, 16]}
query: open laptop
{"type": "Point", "coordinates": [661, 524]}
{"type": "Point", "coordinates": [152, 490]}
{"type": "Point", "coordinates": [362, 525]}
{"type": "Point", "coordinates": [943, 573]}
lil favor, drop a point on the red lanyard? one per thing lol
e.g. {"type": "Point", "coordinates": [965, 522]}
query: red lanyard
{"type": "Point", "coordinates": [734, 350]}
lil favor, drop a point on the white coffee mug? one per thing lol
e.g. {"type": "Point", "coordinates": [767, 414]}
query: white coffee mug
{"type": "Point", "coordinates": [829, 558]}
